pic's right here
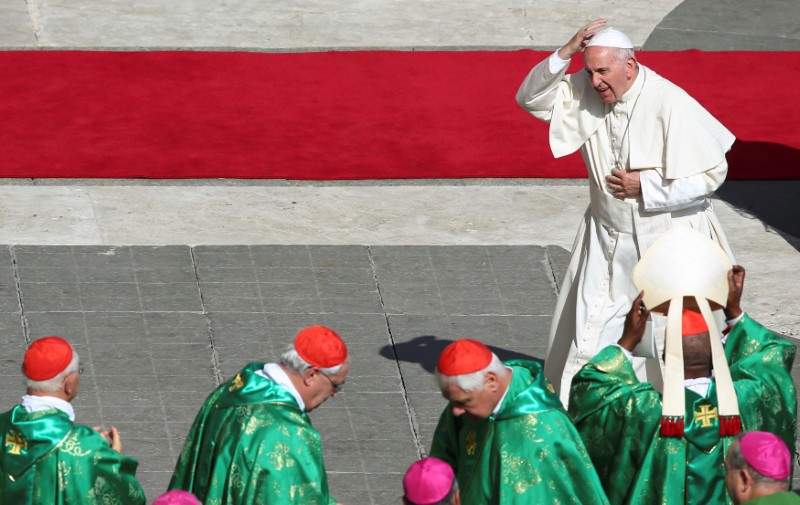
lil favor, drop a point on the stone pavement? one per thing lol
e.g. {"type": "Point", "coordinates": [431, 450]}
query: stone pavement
{"type": "Point", "coordinates": [168, 287]}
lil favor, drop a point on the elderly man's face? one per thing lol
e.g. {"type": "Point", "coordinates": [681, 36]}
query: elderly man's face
{"type": "Point", "coordinates": [611, 77]}
{"type": "Point", "coordinates": [325, 386]}
{"type": "Point", "coordinates": [476, 405]}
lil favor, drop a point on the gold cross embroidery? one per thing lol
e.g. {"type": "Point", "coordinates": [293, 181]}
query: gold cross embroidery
{"type": "Point", "coordinates": [705, 416]}
{"type": "Point", "coordinates": [472, 442]}
{"type": "Point", "coordinates": [238, 383]}
{"type": "Point", "coordinates": [16, 443]}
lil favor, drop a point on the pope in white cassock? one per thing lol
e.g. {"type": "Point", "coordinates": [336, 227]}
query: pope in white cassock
{"type": "Point", "coordinates": [654, 157]}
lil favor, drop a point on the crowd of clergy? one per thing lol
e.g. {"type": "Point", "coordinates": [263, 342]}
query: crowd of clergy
{"type": "Point", "coordinates": [504, 436]}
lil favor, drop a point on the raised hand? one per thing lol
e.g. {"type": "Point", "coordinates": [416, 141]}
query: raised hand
{"type": "Point", "coordinates": [581, 38]}
{"type": "Point", "coordinates": [635, 324]}
{"type": "Point", "coordinates": [735, 287]}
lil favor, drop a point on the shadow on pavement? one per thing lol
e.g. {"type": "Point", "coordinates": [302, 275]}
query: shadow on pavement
{"type": "Point", "coordinates": [425, 349]}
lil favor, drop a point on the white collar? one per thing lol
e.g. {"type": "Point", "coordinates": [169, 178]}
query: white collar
{"type": "Point", "coordinates": [275, 373]}
{"type": "Point", "coordinates": [34, 403]}
{"type": "Point", "coordinates": [636, 87]}
{"type": "Point", "coordinates": [699, 385]}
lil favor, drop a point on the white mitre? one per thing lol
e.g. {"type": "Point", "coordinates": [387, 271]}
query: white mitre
{"type": "Point", "coordinates": [682, 262]}
{"type": "Point", "coordinates": [610, 37]}
{"type": "Point", "coordinates": [685, 263]}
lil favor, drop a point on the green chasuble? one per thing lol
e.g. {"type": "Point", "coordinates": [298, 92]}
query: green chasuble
{"type": "Point", "coordinates": [251, 444]}
{"type": "Point", "coordinates": [619, 420]}
{"type": "Point", "coordinates": [529, 453]}
{"type": "Point", "coordinates": [785, 498]}
{"type": "Point", "coordinates": [47, 459]}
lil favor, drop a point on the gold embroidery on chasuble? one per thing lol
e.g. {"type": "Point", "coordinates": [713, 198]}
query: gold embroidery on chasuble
{"type": "Point", "coordinates": [63, 474]}
{"type": "Point", "coordinates": [520, 474]}
{"type": "Point", "coordinates": [238, 383]}
{"type": "Point", "coordinates": [236, 480]}
{"type": "Point", "coordinates": [15, 443]}
{"type": "Point", "coordinates": [472, 442]}
{"type": "Point", "coordinates": [102, 493]}
{"type": "Point", "coordinates": [280, 457]}
{"type": "Point", "coordinates": [705, 416]}
{"type": "Point", "coordinates": [72, 446]}
{"type": "Point", "coordinates": [300, 491]}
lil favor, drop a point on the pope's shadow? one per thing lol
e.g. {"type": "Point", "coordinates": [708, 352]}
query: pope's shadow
{"type": "Point", "coordinates": [425, 350]}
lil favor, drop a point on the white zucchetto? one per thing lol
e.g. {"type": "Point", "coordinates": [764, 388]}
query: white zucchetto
{"type": "Point", "coordinates": [610, 37]}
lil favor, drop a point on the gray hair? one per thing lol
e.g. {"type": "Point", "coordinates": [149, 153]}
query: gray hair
{"type": "Point", "coordinates": [736, 461]}
{"type": "Point", "coordinates": [622, 53]}
{"type": "Point", "coordinates": [472, 381]}
{"type": "Point", "coordinates": [54, 385]}
{"type": "Point", "coordinates": [291, 360]}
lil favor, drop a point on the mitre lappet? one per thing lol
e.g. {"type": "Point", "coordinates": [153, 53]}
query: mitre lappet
{"type": "Point", "coordinates": [685, 263]}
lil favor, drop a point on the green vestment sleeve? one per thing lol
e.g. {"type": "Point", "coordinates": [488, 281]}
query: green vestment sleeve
{"type": "Point", "coordinates": [251, 443]}
{"type": "Point", "coordinates": [47, 459]}
{"type": "Point", "coordinates": [528, 453]}
{"type": "Point", "coordinates": [761, 364]}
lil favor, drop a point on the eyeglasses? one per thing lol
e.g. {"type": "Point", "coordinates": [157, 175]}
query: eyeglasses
{"type": "Point", "coordinates": [337, 387]}
{"type": "Point", "coordinates": [80, 369]}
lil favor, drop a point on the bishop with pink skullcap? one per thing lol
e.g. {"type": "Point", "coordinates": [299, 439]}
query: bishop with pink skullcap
{"type": "Point", "coordinates": [177, 497]}
{"type": "Point", "coordinates": [428, 481]}
{"type": "Point", "coordinates": [767, 454]}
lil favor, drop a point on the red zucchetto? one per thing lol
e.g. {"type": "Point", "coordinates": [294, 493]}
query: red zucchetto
{"type": "Point", "coordinates": [320, 347]}
{"type": "Point", "coordinates": [463, 357]}
{"type": "Point", "coordinates": [46, 357]}
{"type": "Point", "coordinates": [692, 323]}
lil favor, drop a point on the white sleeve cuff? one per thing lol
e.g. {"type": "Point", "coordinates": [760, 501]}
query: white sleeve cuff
{"type": "Point", "coordinates": [556, 64]}
{"type": "Point", "coordinates": [661, 195]}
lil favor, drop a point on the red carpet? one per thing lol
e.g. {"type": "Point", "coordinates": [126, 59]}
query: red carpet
{"type": "Point", "coordinates": [342, 115]}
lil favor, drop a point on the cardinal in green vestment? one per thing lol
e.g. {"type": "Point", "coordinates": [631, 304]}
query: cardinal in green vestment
{"type": "Point", "coordinates": [46, 457]}
{"type": "Point", "coordinates": [642, 458]}
{"type": "Point", "coordinates": [506, 433]}
{"type": "Point", "coordinates": [252, 441]}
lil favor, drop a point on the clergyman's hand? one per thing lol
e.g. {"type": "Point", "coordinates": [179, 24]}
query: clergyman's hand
{"type": "Point", "coordinates": [733, 309]}
{"type": "Point", "coordinates": [623, 183]}
{"type": "Point", "coordinates": [580, 39]}
{"type": "Point", "coordinates": [111, 436]}
{"type": "Point", "coordinates": [635, 324]}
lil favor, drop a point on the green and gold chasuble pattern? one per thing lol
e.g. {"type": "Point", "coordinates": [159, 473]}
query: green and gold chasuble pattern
{"type": "Point", "coordinates": [619, 419]}
{"type": "Point", "coordinates": [529, 453]}
{"type": "Point", "coordinates": [47, 459]}
{"type": "Point", "coordinates": [251, 444]}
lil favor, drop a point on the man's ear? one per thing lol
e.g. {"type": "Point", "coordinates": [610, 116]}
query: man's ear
{"type": "Point", "coordinates": [309, 375]}
{"type": "Point", "coordinates": [630, 67]}
{"type": "Point", "coordinates": [745, 480]}
{"type": "Point", "coordinates": [490, 379]}
{"type": "Point", "coordinates": [70, 385]}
